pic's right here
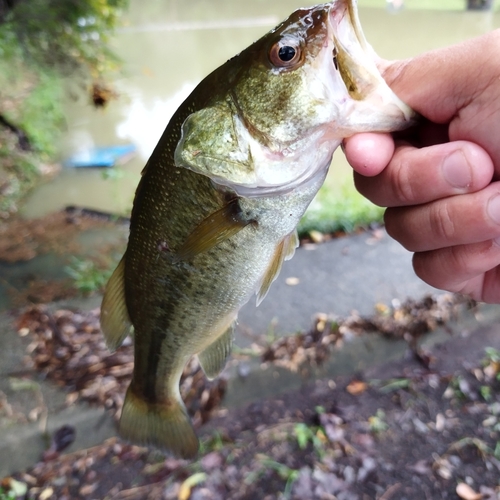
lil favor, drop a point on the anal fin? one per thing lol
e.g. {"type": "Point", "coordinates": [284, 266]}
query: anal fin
{"type": "Point", "coordinates": [214, 357]}
{"type": "Point", "coordinates": [115, 321]}
{"type": "Point", "coordinates": [284, 251]}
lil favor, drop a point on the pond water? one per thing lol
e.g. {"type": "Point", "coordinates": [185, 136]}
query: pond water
{"type": "Point", "coordinates": [168, 46]}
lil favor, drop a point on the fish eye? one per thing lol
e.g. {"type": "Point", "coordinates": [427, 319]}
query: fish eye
{"type": "Point", "coordinates": [285, 54]}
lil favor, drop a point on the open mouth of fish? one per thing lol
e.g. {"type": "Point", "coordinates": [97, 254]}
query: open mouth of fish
{"type": "Point", "coordinates": [345, 94]}
{"type": "Point", "coordinates": [360, 100]}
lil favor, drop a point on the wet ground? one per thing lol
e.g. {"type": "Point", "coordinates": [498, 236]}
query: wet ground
{"type": "Point", "coordinates": [339, 411]}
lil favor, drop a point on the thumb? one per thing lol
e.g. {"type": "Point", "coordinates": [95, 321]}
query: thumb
{"type": "Point", "coordinates": [439, 83]}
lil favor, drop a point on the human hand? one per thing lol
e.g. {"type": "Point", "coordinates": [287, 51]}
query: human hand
{"type": "Point", "coordinates": [438, 180]}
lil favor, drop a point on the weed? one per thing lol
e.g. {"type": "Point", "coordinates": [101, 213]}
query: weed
{"type": "Point", "coordinates": [395, 384]}
{"type": "Point", "coordinates": [492, 355]}
{"type": "Point", "coordinates": [284, 472]}
{"type": "Point", "coordinates": [214, 442]}
{"type": "Point", "coordinates": [454, 389]}
{"type": "Point", "coordinates": [87, 276]}
{"type": "Point", "coordinates": [7, 495]}
{"type": "Point", "coordinates": [314, 435]}
{"type": "Point", "coordinates": [485, 391]}
{"type": "Point", "coordinates": [339, 208]}
{"type": "Point", "coordinates": [16, 489]}
{"type": "Point", "coordinates": [377, 422]}
{"type": "Point", "coordinates": [491, 362]}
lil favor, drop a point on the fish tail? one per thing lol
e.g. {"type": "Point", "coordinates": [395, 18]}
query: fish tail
{"type": "Point", "coordinates": [164, 425]}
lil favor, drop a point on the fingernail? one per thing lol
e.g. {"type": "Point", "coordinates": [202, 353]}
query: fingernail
{"type": "Point", "coordinates": [457, 171]}
{"type": "Point", "coordinates": [494, 208]}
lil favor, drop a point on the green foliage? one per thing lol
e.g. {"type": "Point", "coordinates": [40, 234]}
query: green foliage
{"type": "Point", "coordinates": [211, 443]}
{"type": "Point", "coordinates": [17, 489]}
{"type": "Point", "coordinates": [485, 391]}
{"type": "Point", "coordinates": [496, 453]}
{"type": "Point", "coordinates": [67, 35]}
{"type": "Point", "coordinates": [285, 473]}
{"type": "Point", "coordinates": [32, 101]}
{"type": "Point", "coordinates": [7, 495]}
{"type": "Point", "coordinates": [377, 422]}
{"type": "Point", "coordinates": [339, 208]}
{"type": "Point", "coordinates": [395, 385]}
{"type": "Point", "coordinates": [18, 172]}
{"type": "Point", "coordinates": [306, 434]}
{"type": "Point", "coordinates": [42, 41]}
{"type": "Point", "coordinates": [492, 355]}
{"type": "Point", "coordinates": [88, 277]}
{"type": "Point", "coordinates": [492, 358]}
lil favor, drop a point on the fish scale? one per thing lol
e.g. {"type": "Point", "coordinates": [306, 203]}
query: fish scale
{"type": "Point", "coordinates": [216, 209]}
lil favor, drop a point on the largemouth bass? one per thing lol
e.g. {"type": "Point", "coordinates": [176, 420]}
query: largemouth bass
{"type": "Point", "coordinates": [216, 210]}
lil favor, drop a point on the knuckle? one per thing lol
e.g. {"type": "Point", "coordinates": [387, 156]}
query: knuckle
{"type": "Point", "coordinates": [399, 227]}
{"type": "Point", "coordinates": [441, 222]}
{"type": "Point", "coordinates": [444, 269]}
{"type": "Point", "coordinates": [402, 183]}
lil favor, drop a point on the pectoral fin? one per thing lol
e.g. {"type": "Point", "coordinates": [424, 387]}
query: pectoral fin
{"type": "Point", "coordinates": [115, 321]}
{"type": "Point", "coordinates": [213, 230]}
{"type": "Point", "coordinates": [284, 251]}
{"type": "Point", "coordinates": [214, 357]}
{"type": "Point", "coordinates": [291, 243]}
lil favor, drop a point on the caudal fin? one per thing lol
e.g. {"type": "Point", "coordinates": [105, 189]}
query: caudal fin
{"type": "Point", "coordinates": [165, 426]}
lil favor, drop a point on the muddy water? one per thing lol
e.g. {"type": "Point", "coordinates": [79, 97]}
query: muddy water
{"type": "Point", "coordinates": [167, 47]}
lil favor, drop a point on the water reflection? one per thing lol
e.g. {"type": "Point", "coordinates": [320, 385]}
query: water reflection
{"type": "Point", "coordinates": [143, 124]}
{"type": "Point", "coordinates": [394, 5]}
{"type": "Point", "coordinates": [168, 47]}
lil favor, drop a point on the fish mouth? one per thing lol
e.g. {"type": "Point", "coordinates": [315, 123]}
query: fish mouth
{"type": "Point", "coordinates": [338, 92]}
{"type": "Point", "coordinates": [355, 60]}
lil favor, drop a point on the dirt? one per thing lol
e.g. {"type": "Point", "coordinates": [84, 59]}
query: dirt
{"type": "Point", "coordinates": [61, 236]}
{"type": "Point", "coordinates": [406, 430]}
{"type": "Point", "coordinates": [24, 239]}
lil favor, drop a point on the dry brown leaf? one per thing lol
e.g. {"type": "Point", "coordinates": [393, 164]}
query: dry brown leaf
{"type": "Point", "coordinates": [356, 387]}
{"type": "Point", "coordinates": [465, 492]}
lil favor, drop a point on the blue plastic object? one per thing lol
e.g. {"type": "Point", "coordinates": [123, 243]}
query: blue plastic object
{"type": "Point", "coordinates": [101, 157]}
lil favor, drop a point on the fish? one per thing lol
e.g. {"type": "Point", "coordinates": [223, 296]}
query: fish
{"type": "Point", "coordinates": [216, 209]}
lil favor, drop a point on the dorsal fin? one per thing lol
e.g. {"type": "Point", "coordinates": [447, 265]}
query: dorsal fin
{"type": "Point", "coordinates": [212, 230]}
{"type": "Point", "coordinates": [214, 357]}
{"type": "Point", "coordinates": [284, 251]}
{"type": "Point", "coordinates": [115, 321]}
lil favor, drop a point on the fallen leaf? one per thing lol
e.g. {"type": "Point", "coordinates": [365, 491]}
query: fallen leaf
{"type": "Point", "coordinates": [190, 482]}
{"type": "Point", "coordinates": [356, 387]}
{"type": "Point", "coordinates": [88, 489]}
{"type": "Point", "coordinates": [46, 493]}
{"type": "Point", "coordinates": [316, 236]}
{"type": "Point", "coordinates": [465, 492]}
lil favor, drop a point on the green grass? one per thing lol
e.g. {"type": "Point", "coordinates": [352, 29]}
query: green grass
{"type": "Point", "coordinates": [338, 206]}
{"type": "Point", "coordinates": [87, 276]}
